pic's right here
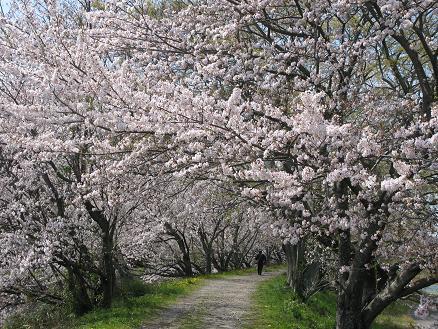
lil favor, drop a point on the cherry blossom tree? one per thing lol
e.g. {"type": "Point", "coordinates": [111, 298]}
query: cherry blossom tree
{"type": "Point", "coordinates": [194, 227]}
{"type": "Point", "coordinates": [65, 200]}
{"type": "Point", "coordinates": [322, 114]}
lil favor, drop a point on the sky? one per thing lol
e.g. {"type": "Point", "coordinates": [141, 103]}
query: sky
{"type": "Point", "coordinates": [4, 5]}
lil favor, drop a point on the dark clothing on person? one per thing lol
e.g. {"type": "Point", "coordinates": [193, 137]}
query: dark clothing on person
{"type": "Point", "coordinates": [259, 268]}
{"type": "Point", "coordinates": [261, 260]}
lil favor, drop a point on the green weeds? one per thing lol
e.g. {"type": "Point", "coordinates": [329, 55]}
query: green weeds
{"type": "Point", "coordinates": [277, 307]}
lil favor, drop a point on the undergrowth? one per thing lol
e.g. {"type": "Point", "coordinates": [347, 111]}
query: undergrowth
{"type": "Point", "coordinates": [137, 302]}
{"type": "Point", "coordinates": [277, 307]}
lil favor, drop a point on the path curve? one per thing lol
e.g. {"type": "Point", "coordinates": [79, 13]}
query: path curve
{"type": "Point", "coordinates": [219, 304]}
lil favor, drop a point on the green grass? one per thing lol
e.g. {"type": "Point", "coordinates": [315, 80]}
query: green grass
{"type": "Point", "coordinates": [127, 312]}
{"type": "Point", "coordinates": [138, 303]}
{"type": "Point", "coordinates": [276, 307]}
{"type": "Point", "coordinates": [131, 312]}
{"type": "Point", "coordinates": [395, 316]}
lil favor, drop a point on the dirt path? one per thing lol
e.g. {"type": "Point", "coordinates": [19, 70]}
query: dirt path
{"type": "Point", "coordinates": [218, 304]}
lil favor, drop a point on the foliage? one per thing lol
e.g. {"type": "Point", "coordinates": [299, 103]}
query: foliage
{"type": "Point", "coordinates": [277, 307]}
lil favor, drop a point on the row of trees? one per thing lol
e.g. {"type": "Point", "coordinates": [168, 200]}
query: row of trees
{"type": "Point", "coordinates": [320, 118]}
{"type": "Point", "coordinates": [201, 229]}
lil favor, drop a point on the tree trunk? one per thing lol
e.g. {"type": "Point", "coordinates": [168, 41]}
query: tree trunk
{"type": "Point", "coordinates": [369, 285]}
{"type": "Point", "coordinates": [216, 263]}
{"type": "Point", "coordinates": [187, 263]}
{"type": "Point", "coordinates": [295, 267]}
{"type": "Point", "coordinates": [81, 300]}
{"type": "Point", "coordinates": [208, 260]}
{"type": "Point", "coordinates": [207, 248]}
{"type": "Point", "coordinates": [108, 276]}
{"type": "Point", "coordinates": [347, 314]}
{"type": "Point", "coordinates": [183, 247]}
{"type": "Point", "coordinates": [350, 290]}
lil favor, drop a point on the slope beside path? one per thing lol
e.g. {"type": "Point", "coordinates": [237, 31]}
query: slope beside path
{"type": "Point", "coordinates": [223, 303]}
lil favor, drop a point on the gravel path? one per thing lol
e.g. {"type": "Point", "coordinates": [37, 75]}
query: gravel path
{"type": "Point", "coordinates": [218, 304]}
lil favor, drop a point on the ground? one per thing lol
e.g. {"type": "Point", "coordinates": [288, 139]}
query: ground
{"type": "Point", "coordinates": [237, 300]}
{"type": "Point", "coordinates": [247, 301]}
{"type": "Point", "coordinates": [431, 322]}
{"type": "Point", "coordinates": [223, 303]}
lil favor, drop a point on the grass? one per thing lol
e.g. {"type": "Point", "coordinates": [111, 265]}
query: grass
{"type": "Point", "coordinates": [276, 307]}
{"type": "Point", "coordinates": [138, 303]}
{"type": "Point", "coordinates": [395, 316]}
{"type": "Point", "coordinates": [131, 312]}
{"type": "Point", "coordinates": [127, 312]}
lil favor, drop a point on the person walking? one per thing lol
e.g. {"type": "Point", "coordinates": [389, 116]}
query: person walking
{"type": "Point", "coordinates": [261, 260]}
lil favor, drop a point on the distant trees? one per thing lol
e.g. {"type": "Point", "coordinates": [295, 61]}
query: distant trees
{"type": "Point", "coordinates": [202, 228]}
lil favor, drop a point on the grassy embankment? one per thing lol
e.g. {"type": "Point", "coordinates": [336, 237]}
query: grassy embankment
{"type": "Point", "coordinates": [276, 308]}
{"type": "Point", "coordinates": [137, 302]}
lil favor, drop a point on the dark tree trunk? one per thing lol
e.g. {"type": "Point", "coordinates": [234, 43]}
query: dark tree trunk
{"type": "Point", "coordinates": [350, 291]}
{"type": "Point", "coordinates": [183, 247]}
{"type": "Point", "coordinates": [187, 264]}
{"type": "Point", "coordinates": [348, 316]}
{"type": "Point", "coordinates": [295, 267]}
{"type": "Point", "coordinates": [208, 260]}
{"type": "Point", "coordinates": [361, 297]}
{"type": "Point", "coordinates": [216, 263]}
{"type": "Point", "coordinates": [369, 285]}
{"type": "Point", "coordinates": [81, 300]}
{"type": "Point", "coordinates": [108, 273]}
{"type": "Point", "coordinates": [207, 248]}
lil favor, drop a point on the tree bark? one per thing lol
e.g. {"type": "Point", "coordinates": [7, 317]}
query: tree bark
{"type": "Point", "coordinates": [348, 316]}
{"type": "Point", "coordinates": [295, 267]}
{"type": "Point", "coordinates": [208, 260]}
{"type": "Point", "coordinates": [183, 247]}
{"type": "Point", "coordinates": [108, 275]}
{"type": "Point", "coordinates": [81, 300]}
